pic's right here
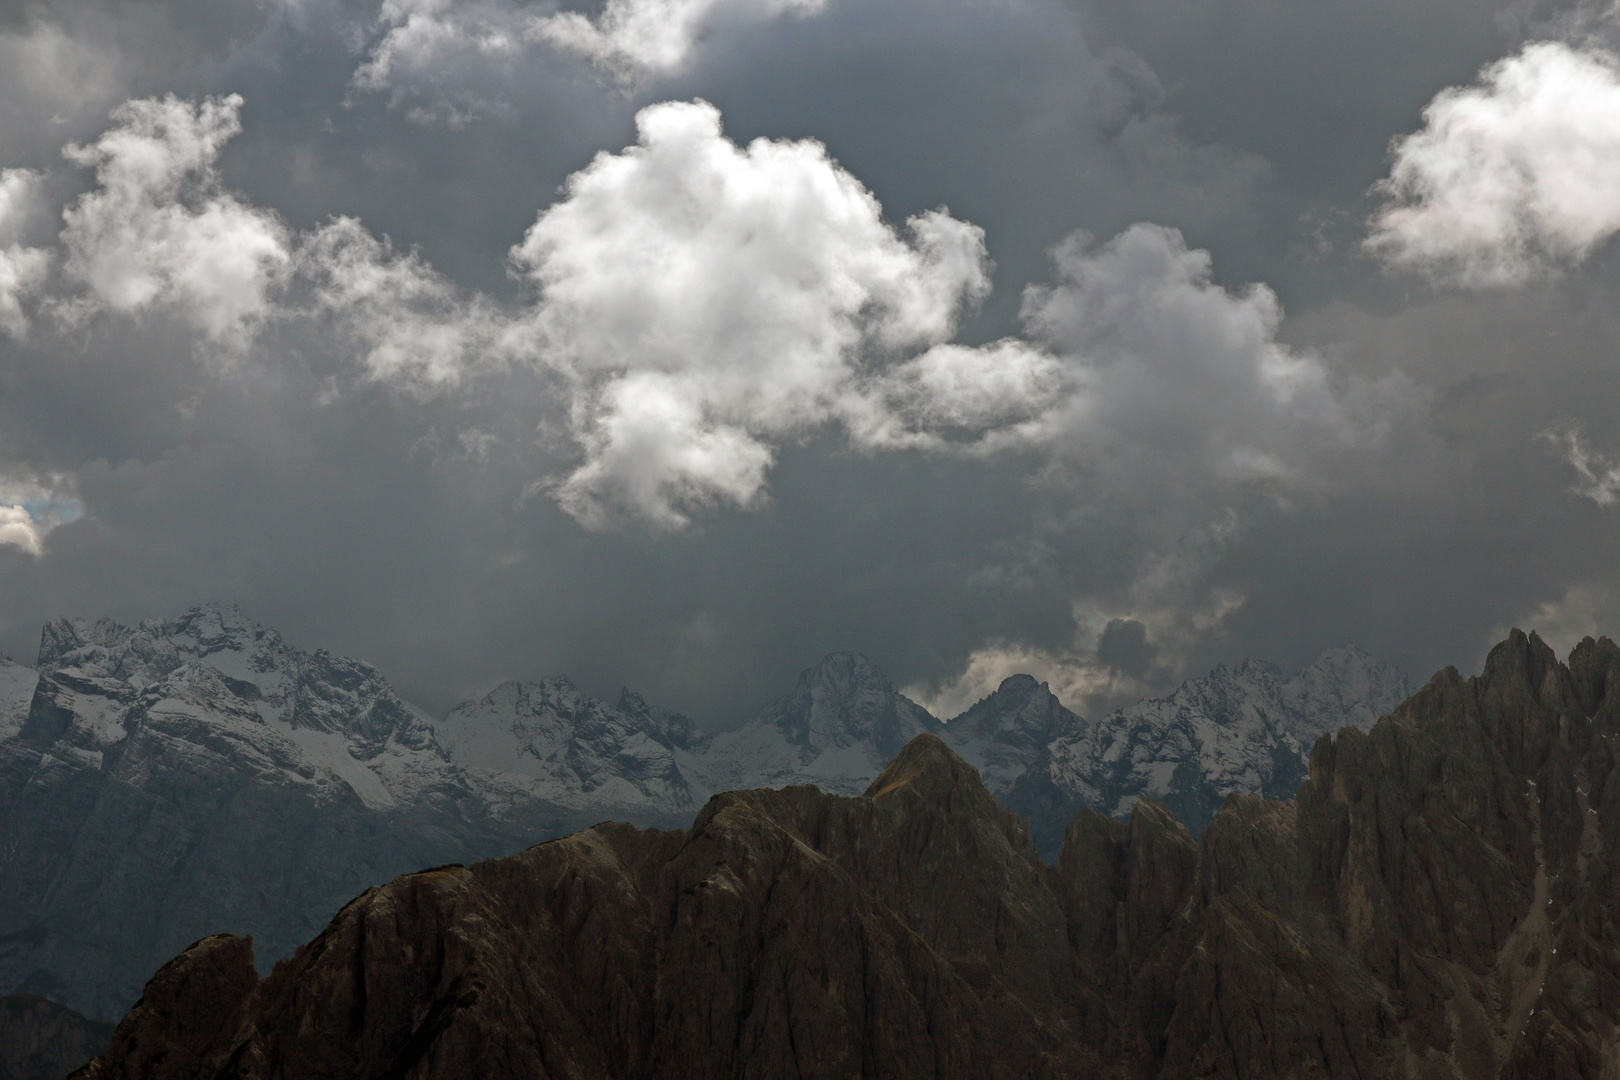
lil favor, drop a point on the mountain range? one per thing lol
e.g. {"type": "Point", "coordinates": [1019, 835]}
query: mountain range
{"type": "Point", "coordinates": [1438, 901]}
{"type": "Point", "coordinates": [172, 779]}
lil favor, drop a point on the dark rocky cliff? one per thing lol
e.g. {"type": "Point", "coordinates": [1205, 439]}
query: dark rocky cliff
{"type": "Point", "coordinates": [1441, 899]}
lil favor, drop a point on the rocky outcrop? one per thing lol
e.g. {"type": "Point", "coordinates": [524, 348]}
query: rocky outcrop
{"type": "Point", "coordinates": [40, 1040]}
{"type": "Point", "coordinates": [1439, 900]}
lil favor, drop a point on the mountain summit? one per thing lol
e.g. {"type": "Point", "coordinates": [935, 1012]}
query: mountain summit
{"type": "Point", "coordinates": [838, 727]}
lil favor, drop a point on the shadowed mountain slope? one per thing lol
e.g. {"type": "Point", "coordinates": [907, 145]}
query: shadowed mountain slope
{"type": "Point", "coordinates": [40, 1040]}
{"type": "Point", "coordinates": [1439, 900]}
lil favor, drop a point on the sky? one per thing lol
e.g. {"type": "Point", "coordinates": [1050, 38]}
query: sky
{"type": "Point", "coordinates": [673, 344]}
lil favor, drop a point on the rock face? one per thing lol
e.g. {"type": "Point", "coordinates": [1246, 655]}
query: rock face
{"type": "Point", "coordinates": [1439, 900]}
{"type": "Point", "coordinates": [40, 1040]}
{"type": "Point", "coordinates": [1243, 729]}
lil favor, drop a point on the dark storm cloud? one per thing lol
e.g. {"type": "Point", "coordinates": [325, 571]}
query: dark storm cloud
{"type": "Point", "coordinates": [1220, 484]}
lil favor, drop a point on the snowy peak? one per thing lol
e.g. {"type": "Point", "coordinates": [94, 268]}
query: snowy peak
{"type": "Point", "coordinates": [351, 698]}
{"type": "Point", "coordinates": [1020, 712]}
{"type": "Point", "coordinates": [1344, 687]}
{"type": "Point", "coordinates": [1004, 733]}
{"type": "Point", "coordinates": [17, 684]}
{"type": "Point", "coordinates": [581, 750]}
{"type": "Point", "coordinates": [846, 701]}
{"type": "Point", "coordinates": [1243, 728]}
{"type": "Point", "coordinates": [219, 660]}
{"type": "Point", "coordinates": [837, 729]}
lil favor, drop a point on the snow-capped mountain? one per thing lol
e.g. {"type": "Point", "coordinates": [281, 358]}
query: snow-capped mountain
{"type": "Point", "coordinates": [1243, 729]}
{"type": "Point", "coordinates": [16, 691]}
{"type": "Point", "coordinates": [580, 751]}
{"type": "Point", "coordinates": [1004, 734]}
{"type": "Point", "coordinates": [168, 780]}
{"type": "Point", "coordinates": [839, 727]}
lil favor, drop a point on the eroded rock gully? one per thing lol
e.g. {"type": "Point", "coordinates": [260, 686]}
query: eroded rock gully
{"type": "Point", "coordinates": [1441, 899]}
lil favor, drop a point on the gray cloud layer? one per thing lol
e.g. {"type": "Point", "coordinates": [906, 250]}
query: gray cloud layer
{"type": "Point", "coordinates": [474, 340]}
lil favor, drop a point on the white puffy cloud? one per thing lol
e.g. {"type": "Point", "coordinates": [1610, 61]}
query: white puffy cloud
{"type": "Point", "coordinates": [636, 37]}
{"type": "Point", "coordinates": [1509, 179]}
{"type": "Point", "coordinates": [22, 269]}
{"type": "Point", "coordinates": [31, 508]}
{"type": "Point", "coordinates": [702, 303]}
{"type": "Point", "coordinates": [410, 325]}
{"type": "Point", "coordinates": [961, 397]}
{"type": "Point", "coordinates": [445, 46]}
{"type": "Point", "coordinates": [158, 231]}
{"type": "Point", "coordinates": [709, 300]}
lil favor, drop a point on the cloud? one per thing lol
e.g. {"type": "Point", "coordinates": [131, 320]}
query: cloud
{"type": "Point", "coordinates": [1176, 383]}
{"type": "Point", "coordinates": [1584, 609]}
{"type": "Point", "coordinates": [159, 232]}
{"type": "Point", "coordinates": [408, 324]}
{"type": "Point", "coordinates": [1116, 657]}
{"type": "Point", "coordinates": [633, 38]}
{"type": "Point", "coordinates": [1598, 475]}
{"type": "Point", "coordinates": [31, 508]}
{"type": "Point", "coordinates": [22, 269]}
{"type": "Point", "coordinates": [442, 46]}
{"type": "Point", "coordinates": [1511, 179]}
{"type": "Point", "coordinates": [708, 301]}
{"type": "Point", "coordinates": [700, 305]}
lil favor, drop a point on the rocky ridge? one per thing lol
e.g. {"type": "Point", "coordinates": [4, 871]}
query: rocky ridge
{"type": "Point", "coordinates": [1438, 900]}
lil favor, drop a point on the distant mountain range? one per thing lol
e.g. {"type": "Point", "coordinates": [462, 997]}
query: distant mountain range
{"type": "Point", "coordinates": [169, 780]}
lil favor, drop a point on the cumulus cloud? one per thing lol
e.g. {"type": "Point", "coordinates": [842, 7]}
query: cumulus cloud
{"type": "Point", "coordinates": [701, 304]}
{"type": "Point", "coordinates": [22, 269]}
{"type": "Point", "coordinates": [1178, 382]}
{"type": "Point", "coordinates": [158, 231]}
{"type": "Point", "coordinates": [440, 45]}
{"type": "Point", "coordinates": [632, 38]}
{"type": "Point", "coordinates": [1512, 178]}
{"type": "Point", "coordinates": [1167, 403]}
{"type": "Point", "coordinates": [709, 300]}
{"type": "Point", "coordinates": [409, 325]}
{"type": "Point", "coordinates": [31, 508]}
